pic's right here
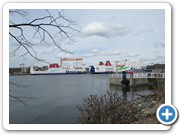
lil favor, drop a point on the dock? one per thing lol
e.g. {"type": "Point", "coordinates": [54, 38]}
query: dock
{"type": "Point", "coordinates": [138, 79]}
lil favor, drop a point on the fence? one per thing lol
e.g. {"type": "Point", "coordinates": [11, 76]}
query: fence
{"type": "Point", "coordinates": [139, 75]}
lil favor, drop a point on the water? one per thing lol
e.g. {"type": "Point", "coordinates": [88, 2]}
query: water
{"type": "Point", "coordinates": [52, 99]}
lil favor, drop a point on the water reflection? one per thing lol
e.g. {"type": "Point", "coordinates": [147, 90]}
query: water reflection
{"type": "Point", "coordinates": [125, 89]}
{"type": "Point", "coordinates": [56, 97]}
{"type": "Point", "coordinates": [131, 93]}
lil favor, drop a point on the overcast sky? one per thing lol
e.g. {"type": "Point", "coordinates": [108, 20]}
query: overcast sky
{"type": "Point", "coordinates": [116, 34]}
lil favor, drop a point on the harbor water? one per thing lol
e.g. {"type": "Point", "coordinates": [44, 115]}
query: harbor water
{"type": "Point", "coordinates": [52, 99]}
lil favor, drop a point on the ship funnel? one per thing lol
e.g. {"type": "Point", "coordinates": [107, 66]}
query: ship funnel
{"type": "Point", "coordinates": [108, 63]}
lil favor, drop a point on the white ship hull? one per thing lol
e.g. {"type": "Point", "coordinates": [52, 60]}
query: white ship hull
{"type": "Point", "coordinates": [57, 71]}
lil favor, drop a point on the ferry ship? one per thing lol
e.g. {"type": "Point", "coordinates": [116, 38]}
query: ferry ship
{"type": "Point", "coordinates": [56, 69]}
{"type": "Point", "coordinates": [122, 66]}
{"type": "Point", "coordinates": [128, 66]}
{"type": "Point", "coordinates": [102, 68]}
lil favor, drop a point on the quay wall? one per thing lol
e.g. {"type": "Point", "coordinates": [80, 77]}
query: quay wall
{"type": "Point", "coordinates": [133, 81]}
{"type": "Point", "coordinates": [138, 79]}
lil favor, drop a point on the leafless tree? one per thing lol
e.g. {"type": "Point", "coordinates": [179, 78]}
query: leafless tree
{"type": "Point", "coordinates": [50, 30]}
{"type": "Point", "coordinates": [112, 109]}
{"type": "Point", "coordinates": [107, 109]}
{"type": "Point", "coordinates": [20, 99]}
{"type": "Point", "coordinates": [45, 29]}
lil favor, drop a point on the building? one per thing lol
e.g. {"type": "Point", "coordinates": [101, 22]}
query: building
{"type": "Point", "coordinates": [160, 68]}
{"type": "Point", "coordinates": [19, 71]}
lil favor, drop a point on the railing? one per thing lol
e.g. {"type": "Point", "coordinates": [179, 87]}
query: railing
{"type": "Point", "coordinates": [139, 75]}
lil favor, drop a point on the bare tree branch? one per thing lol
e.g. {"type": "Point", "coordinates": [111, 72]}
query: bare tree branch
{"type": "Point", "coordinates": [18, 98]}
{"type": "Point", "coordinates": [46, 28]}
{"type": "Point", "coordinates": [15, 84]}
{"type": "Point", "coordinates": [25, 46]}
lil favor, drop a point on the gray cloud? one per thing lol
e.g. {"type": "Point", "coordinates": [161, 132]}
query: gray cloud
{"type": "Point", "coordinates": [111, 52]}
{"type": "Point", "coordinates": [159, 44]}
{"type": "Point", "coordinates": [107, 30]}
{"type": "Point", "coordinates": [93, 52]}
{"type": "Point", "coordinates": [142, 32]}
{"type": "Point", "coordinates": [89, 55]}
{"type": "Point", "coordinates": [64, 55]}
{"type": "Point", "coordinates": [133, 55]}
{"type": "Point", "coordinates": [47, 50]}
{"type": "Point", "coordinates": [96, 52]}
